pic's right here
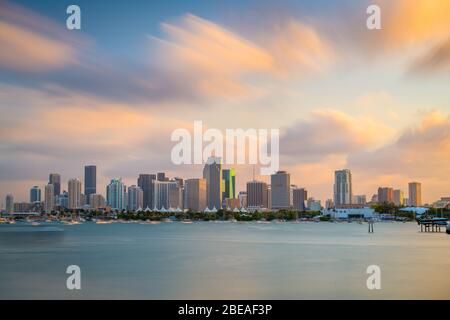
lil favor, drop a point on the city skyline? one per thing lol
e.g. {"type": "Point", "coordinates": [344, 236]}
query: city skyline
{"type": "Point", "coordinates": [261, 195]}
{"type": "Point", "coordinates": [342, 96]}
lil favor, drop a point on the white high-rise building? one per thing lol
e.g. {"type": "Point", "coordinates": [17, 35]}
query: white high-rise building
{"type": "Point", "coordinates": [9, 203]}
{"type": "Point", "coordinates": [342, 188]}
{"type": "Point", "coordinates": [115, 194]}
{"type": "Point", "coordinates": [74, 187]}
{"type": "Point", "coordinates": [49, 203]}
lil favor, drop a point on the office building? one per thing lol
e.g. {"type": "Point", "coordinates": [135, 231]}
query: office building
{"type": "Point", "coordinates": [9, 208]}
{"type": "Point", "coordinates": [385, 195]}
{"type": "Point", "coordinates": [359, 199]}
{"type": "Point", "coordinates": [115, 194]}
{"type": "Point", "coordinates": [49, 203]}
{"type": "Point", "coordinates": [35, 194]}
{"type": "Point", "coordinates": [90, 181]}
{"type": "Point", "coordinates": [242, 196]}
{"type": "Point", "coordinates": [280, 190]}
{"type": "Point", "coordinates": [55, 180]}
{"type": "Point", "coordinates": [415, 194]}
{"type": "Point", "coordinates": [145, 182]}
{"type": "Point", "coordinates": [135, 198]}
{"type": "Point", "coordinates": [342, 188]}
{"type": "Point", "coordinates": [195, 194]}
{"type": "Point", "coordinates": [229, 184]}
{"type": "Point", "coordinates": [162, 193]}
{"type": "Point", "coordinates": [212, 173]}
{"type": "Point", "coordinates": [300, 195]}
{"type": "Point", "coordinates": [256, 194]}
{"type": "Point", "coordinates": [96, 201]}
{"type": "Point", "coordinates": [399, 198]}
{"type": "Point", "coordinates": [74, 187]}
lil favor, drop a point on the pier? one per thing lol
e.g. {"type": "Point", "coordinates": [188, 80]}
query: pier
{"type": "Point", "coordinates": [432, 225]}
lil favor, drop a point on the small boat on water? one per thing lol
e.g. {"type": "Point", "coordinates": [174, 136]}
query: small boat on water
{"type": "Point", "coordinates": [186, 221]}
{"type": "Point", "coordinates": [103, 222]}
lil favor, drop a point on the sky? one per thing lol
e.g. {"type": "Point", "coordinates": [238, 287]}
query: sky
{"type": "Point", "coordinates": [374, 101]}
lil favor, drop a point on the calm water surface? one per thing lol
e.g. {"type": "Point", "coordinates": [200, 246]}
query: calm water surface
{"type": "Point", "coordinates": [213, 260]}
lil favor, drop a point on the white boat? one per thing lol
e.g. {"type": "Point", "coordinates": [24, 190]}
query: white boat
{"type": "Point", "coordinates": [103, 222]}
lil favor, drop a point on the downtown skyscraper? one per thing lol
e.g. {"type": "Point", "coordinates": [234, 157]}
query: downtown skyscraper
{"type": "Point", "coordinates": [74, 187]}
{"type": "Point", "coordinates": [229, 184]}
{"type": "Point", "coordinates": [342, 188]}
{"type": "Point", "coordinates": [280, 183]}
{"type": "Point", "coordinates": [145, 182]}
{"type": "Point", "coordinates": [55, 180]}
{"type": "Point", "coordinates": [212, 173]}
{"type": "Point", "coordinates": [90, 181]}
{"type": "Point", "coordinates": [415, 194]}
{"type": "Point", "coordinates": [115, 194]}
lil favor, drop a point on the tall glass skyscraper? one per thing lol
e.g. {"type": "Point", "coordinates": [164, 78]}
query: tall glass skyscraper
{"type": "Point", "coordinates": [145, 182]}
{"type": "Point", "coordinates": [55, 180]}
{"type": "Point", "coordinates": [229, 184]}
{"type": "Point", "coordinates": [115, 194]}
{"type": "Point", "coordinates": [35, 194]}
{"type": "Point", "coordinates": [90, 181]}
{"type": "Point", "coordinates": [342, 188]}
{"type": "Point", "coordinates": [281, 190]}
{"type": "Point", "coordinates": [212, 173]}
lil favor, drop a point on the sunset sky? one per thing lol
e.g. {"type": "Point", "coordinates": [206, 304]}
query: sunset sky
{"type": "Point", "coordinates": [376, 102]}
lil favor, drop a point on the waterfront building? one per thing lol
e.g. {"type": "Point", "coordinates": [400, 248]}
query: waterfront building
{"type": "Point", "coordinates": [329, 204]}
{"type": "Point", "coordinates": [63, 200]}
{"type": "Point", "coordinates": [49, 203]}
{"type": "Point", "coordinates": [162, 193]}
{"type": "Point", "coordinates": [212, 173]}
{"type": "Point", "coordinates": [444, 202]}
{"type": "Point", "coordinates": [115, 194]}
{"type": "Point", "coordinates": [385, 195]}
{"type": "Point", "coordinates": [55, 180]}
{"type": "Point", "coordinates": [280, 190]}
{"type": "Point", "coordinates": [35, 194]}
{"type": "Point", "coordinates": [242, 196]}
{"type": "Point", "coordinates": [350, 213]}
{"type": "Point", "coordinates": [145, 182]}
{"type": "Point", "coordinates": [22, 207]}
{"type": "Point", "coordinates": [359, 199]}
{"type": "Point", "coordinates": [313, 204]}
{"type": "Point", "coordinates": [135, 198]}
{"type": "Point", "coordinates": [74, 187]}
{"type": "Point", "coordinates": [299, 197]}
{"type": "Point", "coordinates": [9, 208]}
{"type": "Point", "coordinates": [232, 204]}
{"type": "Point", "coordinates": [96, 201]}
{"type": "Point", "coordinates": [256, 194]}
{"type": "Point", "coordinates": [229, 184]}
{"type": "Point", "coordinates": [415, 194]}
{"type": "Point", "coordinates": [343, 192]}
{"type": "Point", "coordinates": [176, 196]}
{"type": "Point", "coordinates": [90, 181]}
{"type": "Point", "coordinates": [399, 199]}
{"type": "Point", "coordinates": [195, 194]}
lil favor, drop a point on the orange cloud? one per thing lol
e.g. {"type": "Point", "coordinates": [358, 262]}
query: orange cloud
{"type": "Point", "coordinates": [408, 22]}
{"type": "Point", "coordinates": [28, 51]}
{"type": "Point", "coordinates": [32, 43]}
{"type": "Point", "coordinates": [217, 61]}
